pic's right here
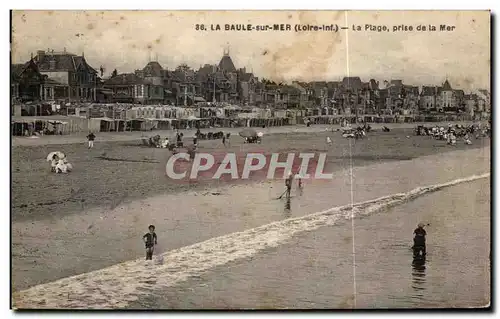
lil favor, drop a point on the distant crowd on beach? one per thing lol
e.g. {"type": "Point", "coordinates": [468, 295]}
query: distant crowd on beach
{"type": "Point", "coordinates": [453, 132]}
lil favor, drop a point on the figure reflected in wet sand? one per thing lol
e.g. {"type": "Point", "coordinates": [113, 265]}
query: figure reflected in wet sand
{"type": "Point", "coordinates": [419, 259]}
{"type": "Point", "coordinates": [287, 211]}
{"type": "Point", "coordinates": [418, 274]}
{"type": "Point", "coordinates": [300, 186]}
{"type": "Point", "coordinates": [288, 191]}
{"type": "Point", "coordinates": [288, 185]}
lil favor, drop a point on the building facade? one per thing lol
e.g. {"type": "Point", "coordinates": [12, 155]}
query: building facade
{"type": "Point", "coordinates": [26, 82]}
{"type": "Point", "coordinates": [69, 77]}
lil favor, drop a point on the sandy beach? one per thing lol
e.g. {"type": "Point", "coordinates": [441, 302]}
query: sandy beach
{"type": "Point", "coordinates": [138, 172]}
{"type": "Point", "coordinates": [136, 135]}
{"type": "Point", "coordinates": [94, 217]}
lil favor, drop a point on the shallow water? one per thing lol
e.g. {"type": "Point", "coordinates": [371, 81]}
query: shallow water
{"type": "Point", "coordinates": [49, 249]}
{"type": "Point", "coordinates": [129, 283]}
{"type": "Point", "coordinates": [119, 228]}
{"type": "Point", "coordinates": [315, 269]}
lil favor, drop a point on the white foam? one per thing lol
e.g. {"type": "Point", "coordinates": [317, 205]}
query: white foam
{"type": "Point", "coordinates": [119, 285]}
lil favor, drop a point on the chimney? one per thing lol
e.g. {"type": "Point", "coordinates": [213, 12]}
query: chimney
{"type": "Point", "coordinates": [40, 54]}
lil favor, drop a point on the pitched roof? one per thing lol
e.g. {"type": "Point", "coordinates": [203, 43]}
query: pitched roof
{"type": "Point", "coordinates": [188, 76]}
{"type": "Point", "coordinates": [428, 91]}
{"type": "Point", "coordinates": [411, 89]}
{"type": "Point", "coordinates": [17, 69]}
{"type": "Point", "coordinates": [288, 89]}
{"type": "Point", "coordinates": [124, 79]}
{"type": "Point", "coordinates": [204, 72]}
{"type": "Point", "coordinates": [374, 84]}
{"type": "Point", "coordinates": [61, 62]}
{"type": "Point", "coordinates": [220, 76]}
{"type": "Point", "coordinates": [446, 86]}
{"type": "Point", "coordinates": [79, 61]}
{"type": "Point", "coordinates": [171, 75]}
{"type": "Point", "coordinates": [153, 68]}
{"type": "Point", "coordinates": [226, 64]}
{"type": "Point", "coordinates": [245, 77]}
{"type": "Point", "coordinates": [352, 82]}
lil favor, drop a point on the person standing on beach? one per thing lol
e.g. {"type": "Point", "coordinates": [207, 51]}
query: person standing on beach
{"type": "Point", "coordinates": [179, 139]}
{"type": "Point", "coordinates": [91, 138]}
{"type": "Point", "coordinates": [150, 239]}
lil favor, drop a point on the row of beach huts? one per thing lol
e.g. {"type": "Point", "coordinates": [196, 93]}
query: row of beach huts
{"type": "Point", "coordinates": [130, 117]}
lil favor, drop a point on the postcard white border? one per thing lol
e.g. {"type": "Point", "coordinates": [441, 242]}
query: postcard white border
{"type": "Point", "coordinates": [187, 4]}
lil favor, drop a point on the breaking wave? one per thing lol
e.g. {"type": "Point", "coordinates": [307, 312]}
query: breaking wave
{"type": "Point", "coordinates": [119, 285]}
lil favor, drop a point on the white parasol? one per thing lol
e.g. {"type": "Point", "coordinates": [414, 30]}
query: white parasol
{"type": "Point", "coordinates": [260, 134]}
{"type": "Point", "coordinates": [59, 154]}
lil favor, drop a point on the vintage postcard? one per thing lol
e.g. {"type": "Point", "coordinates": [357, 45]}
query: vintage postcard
{"type": "Point", "coordinates": [250, 159]}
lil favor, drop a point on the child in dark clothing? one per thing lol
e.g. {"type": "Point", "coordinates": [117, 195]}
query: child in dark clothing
{"type": "Point", "coordinates": [150, 240]}
{"type": "Point", "coordinates": [300, 186]}
{"type": "Point", "coordinates": [91, 138]}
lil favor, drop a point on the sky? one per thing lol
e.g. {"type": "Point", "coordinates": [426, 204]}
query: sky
{"type": "Point", "coordinates": [128, 40]}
